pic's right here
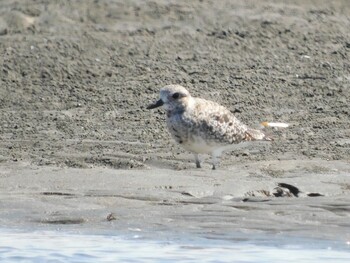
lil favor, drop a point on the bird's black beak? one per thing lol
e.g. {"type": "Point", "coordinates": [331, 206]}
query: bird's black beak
{"type": "Point", "coordinates": [155, 105]}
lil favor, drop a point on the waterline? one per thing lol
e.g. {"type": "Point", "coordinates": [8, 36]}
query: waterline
{"type": "Point", "coordinates": [52, 246]}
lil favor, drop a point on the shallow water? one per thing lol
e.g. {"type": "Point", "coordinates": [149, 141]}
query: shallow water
{"type": "Point", "coordinates": [54, 246]}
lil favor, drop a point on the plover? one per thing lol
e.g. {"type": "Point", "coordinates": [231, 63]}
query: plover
{"type": "Point", "coordinates": [202, 126]}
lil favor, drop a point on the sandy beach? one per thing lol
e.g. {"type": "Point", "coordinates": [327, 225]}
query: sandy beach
{"type": "Point", "coordinates": [79, 150]}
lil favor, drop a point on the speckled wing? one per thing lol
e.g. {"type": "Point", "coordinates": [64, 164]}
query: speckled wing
{"type": "Point", "coordinates": [216, 123]}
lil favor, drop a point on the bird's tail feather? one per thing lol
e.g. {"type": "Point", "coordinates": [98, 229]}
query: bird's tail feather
{"type": "Point", "coordinates": [265, 124]}
{"type": "Point", "coordinates": [256, 135]}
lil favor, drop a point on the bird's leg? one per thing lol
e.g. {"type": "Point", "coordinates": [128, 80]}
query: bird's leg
{"type": "Point", "coordinates": [198, 163]}
{"type": "Point", "coordinates": [215, 157]}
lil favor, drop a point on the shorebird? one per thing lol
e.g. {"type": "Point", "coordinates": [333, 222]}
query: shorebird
{"type": "Point", "coordinates": [202, 126]}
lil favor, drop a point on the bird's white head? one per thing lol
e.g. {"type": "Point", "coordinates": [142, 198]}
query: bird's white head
{"type": "Point", "coordinates": [172, 98]}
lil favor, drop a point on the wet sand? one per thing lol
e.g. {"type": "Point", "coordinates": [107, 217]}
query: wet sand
{"type": "Point", "coordinates": [78, 144]}
{"type": "Point", "coordinates": [217, 204]}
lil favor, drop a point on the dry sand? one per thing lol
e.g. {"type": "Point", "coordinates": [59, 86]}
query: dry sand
{"type": "Point", "coordinates": [78, 144]}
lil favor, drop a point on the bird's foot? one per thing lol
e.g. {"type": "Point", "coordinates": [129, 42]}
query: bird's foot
{"type": "Point", "coordinates": [198, 162]}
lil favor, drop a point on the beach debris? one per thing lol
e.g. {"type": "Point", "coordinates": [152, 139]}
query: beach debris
{"type": "Point", "coordinates": [255, 199]}
{"type": "Point", "coordinates": [314, 194]}
{"type": "Point", "coordinates": [282, 190]}
{"type": "Point", "coordinates": [186, 193]}
{"type": "Point", "coordinates": [111, 217]}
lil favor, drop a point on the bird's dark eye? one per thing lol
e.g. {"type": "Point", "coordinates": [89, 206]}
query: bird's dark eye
{"type": "Point", "coordinates": [176, 95]}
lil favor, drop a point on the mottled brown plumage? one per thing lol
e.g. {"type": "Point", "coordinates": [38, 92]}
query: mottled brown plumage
{"type": "Point", "coordinates": [202, 126]}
